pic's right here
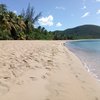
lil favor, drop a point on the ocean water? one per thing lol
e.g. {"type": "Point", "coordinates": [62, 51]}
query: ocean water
{"type": "Point", "coordinates": [89, 53]}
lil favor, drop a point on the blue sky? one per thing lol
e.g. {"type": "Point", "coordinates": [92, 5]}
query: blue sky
{"type": "Point", "coordinates": [60, 14]}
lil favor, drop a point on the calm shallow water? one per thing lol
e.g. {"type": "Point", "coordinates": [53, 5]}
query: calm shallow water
{"type": "Point", "coordinates": [89, 53]}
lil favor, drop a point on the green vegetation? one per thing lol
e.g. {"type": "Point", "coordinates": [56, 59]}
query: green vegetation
{"type": "Point", "coordinates": [80, 32]}
{"type": "Point", "coordinates": [20, 27]}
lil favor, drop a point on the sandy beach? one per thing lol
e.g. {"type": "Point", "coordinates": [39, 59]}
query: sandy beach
{"type": "Point", "coordinates": [43, 70]}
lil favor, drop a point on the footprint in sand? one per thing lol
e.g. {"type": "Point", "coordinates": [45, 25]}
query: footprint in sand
{"type": "Point", "coordinates": [20, 82]}
{"type": "Point", "coordinates": [47, 99]}
{"type": "Point", "coordinates": [43, 77]}
{"type": "Point", "coordinates": [26, 63]}
{"type": "Point", "coordinates": [76, 76]}
{"type": "Point", "coordinates": [48, 74]}
{"type": "Point", "coordinates": [4, 64]}
{"type": "Point", "coordinates": [37, 66]}
{"type": "Point", "coordinates": [6, 78]}
{"type": "Point", "coordinates": [48, 68]}
{"type": "Point", "coordinates": [82, 87]}
{"type": "Point", "coordinates": [36, 60]}
{"type": "Point", "coordinates": [33, 78]}
{"type": "Point", "coordinates": [96, 98]}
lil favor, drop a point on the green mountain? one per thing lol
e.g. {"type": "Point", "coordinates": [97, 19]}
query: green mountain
{"type": "Point", "coordinates": [80, 32]}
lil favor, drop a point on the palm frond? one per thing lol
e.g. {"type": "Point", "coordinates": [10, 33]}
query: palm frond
{"type": "Point", "coordinates": [36, 18]}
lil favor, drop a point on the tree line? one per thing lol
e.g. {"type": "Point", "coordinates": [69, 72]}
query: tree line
{"type": "Point", "coordinates": [21, 27]}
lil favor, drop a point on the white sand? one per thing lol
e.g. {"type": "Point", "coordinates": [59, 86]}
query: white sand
{"type": "Point", "coordinates": [43, 70]}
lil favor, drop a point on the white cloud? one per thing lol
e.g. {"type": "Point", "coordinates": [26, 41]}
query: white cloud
{"type": "Point", "coordinates": [46, 21]}
{"type": "Point", "coordinates": [84, 4]}
{"type": "Point", "coordinates": [86, 14]}
{"type": "Point", "coordinates": [84, 7]}
{"type": "Point", "coordinates": [97, 0]}
{"type": "Point", "coordinates": [15, 11]}
{"type": "Point", "coordinates": [98, 12]}
{"type": "Point", "coordinates": [60, 8]}
{"type": "Point", "coordinates": [58, 24]}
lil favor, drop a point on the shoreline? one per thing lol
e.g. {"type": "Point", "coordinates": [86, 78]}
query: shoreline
{"type": "Point", "coordinates": [82, 61]}
{"type": "Point", "coordinates": [44, 70]}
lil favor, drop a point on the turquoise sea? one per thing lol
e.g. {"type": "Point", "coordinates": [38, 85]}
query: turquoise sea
{"type": "Point", "coordinates": [89, 53]}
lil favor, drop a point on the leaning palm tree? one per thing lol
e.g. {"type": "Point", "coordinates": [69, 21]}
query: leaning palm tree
{"type": "Point", "coordinates": [4, 22]}
{"type": "Point", "coordinates": [3, 8]}
{"type": "Point", "coordinates": [11, 20]}
{"type": "Point", "coordinates": [22, 27]}
{"type": "Point", "coordinates": [30, 18]}
{"type": "Point", "coordinates": [11, 23]}
{"type": "Point", "coordinates": [3, 12]}
{"type": "Point", "coordinates": [7, 21]}
{"type": "Point", "coordinates": [18, 26]}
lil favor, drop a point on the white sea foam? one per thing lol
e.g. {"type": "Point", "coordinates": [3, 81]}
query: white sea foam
{"type": "Point", "coordinates": [88, 52]}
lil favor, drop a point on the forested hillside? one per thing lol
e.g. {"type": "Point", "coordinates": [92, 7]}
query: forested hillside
{"type": "Point", "coordinates": [80, 32]}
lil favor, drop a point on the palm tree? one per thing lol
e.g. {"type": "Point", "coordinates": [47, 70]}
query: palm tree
{"type": "Point", "coordinates": [22, 27]}
{"type": "Point", "coordinates": [17, 26]}
{"type": "Point", "coordinates": [21, 23]}
{"type": "Point", "coordinates": [3, 8]}
{"type": "Point", "coordinates": [30, 18]}
{"type": "Point", "coordinates": [43, 29]}
{"type": "Point", "coordinates": [39, 28]}
{"type": "Point", "coordinates": [13, 24]}
{"type": "Point", "coordinates": [3, 11]}
{"type": "Point", "coordinates": [7, 20]}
